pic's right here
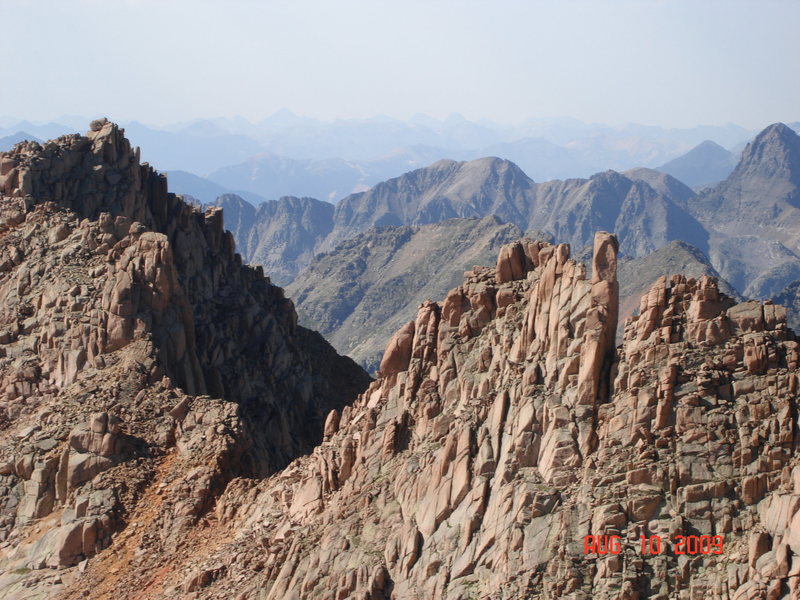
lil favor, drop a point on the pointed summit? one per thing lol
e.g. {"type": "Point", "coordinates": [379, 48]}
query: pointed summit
{"type": "Point", "coordinates": [755, 213]}
{"type": "Point", "coordinates": [774, 153]}
{"type": "Point", "coordinates": [768, 175]}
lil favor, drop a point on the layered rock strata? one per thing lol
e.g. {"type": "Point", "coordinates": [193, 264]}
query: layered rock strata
{"type": "Point", "coordinates": [504, 429]}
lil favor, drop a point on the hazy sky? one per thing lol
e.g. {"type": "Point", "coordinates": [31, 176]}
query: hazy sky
{"type": "Point", "coordinates": [661, 62]}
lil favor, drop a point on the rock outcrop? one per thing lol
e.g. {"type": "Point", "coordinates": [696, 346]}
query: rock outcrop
{"type": "Point", "coordinates": [154, 390]}
{"type": "Point", "coordinates": [637, 275]}
{"type": "Point", "coordinates": [505, 429]}
{"type": "Point", "coordinates": [133, 341]}
{"type": "Point", "coordinates": [361, 292]}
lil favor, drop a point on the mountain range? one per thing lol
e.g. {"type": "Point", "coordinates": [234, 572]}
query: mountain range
{"type": "Point", "coordinates": [290, 155]}
{"type": "Point", "coordinates": [646, 207]}
{"type": "Point", "coordinates": [663, 226]}
{"type": "Point", "coordinates": [169, 430]}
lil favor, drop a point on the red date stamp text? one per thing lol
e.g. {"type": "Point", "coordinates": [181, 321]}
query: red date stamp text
{"type": "Point", "coordinates": [681, 544]}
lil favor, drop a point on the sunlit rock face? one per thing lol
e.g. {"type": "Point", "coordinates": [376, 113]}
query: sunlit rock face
{"type": "Point", "coordinates": [505, 428]}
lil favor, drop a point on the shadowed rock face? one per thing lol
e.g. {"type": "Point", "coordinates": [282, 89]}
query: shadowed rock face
{"type": "Point", "coordinates": [505, 428]}
{"type": "Point", "coordinates": [124, 311]}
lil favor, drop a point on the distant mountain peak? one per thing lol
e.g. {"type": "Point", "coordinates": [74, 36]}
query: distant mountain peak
{"type": "Point", "coordinates": [705, 164]}
{"type": "Point", "coordinates": [9, 141]}
{"type": "Point", "coordinates": [779, 130]}
{"type": "Point", "coordinates": [777, 136]}
{"type": "Point", "coordinates": [707, 144]}
{"type": "Point", "coordinates": [774, 153]}
{"type": "Point", "coordinates": [444, 163]}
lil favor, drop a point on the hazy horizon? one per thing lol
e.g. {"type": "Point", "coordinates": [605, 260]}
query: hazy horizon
{"type": "Point", "coordinates": [64, 119]}
{"type": "Point", "coordinates": [667, 63]}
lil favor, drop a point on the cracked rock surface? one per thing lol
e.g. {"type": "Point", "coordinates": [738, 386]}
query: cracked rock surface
{"type": "Point", "coordinates": [142, 366]}
{"type": "Point", "coordinates": [144, 439]}
{"type": "Point", "coordinates": [505, 428]}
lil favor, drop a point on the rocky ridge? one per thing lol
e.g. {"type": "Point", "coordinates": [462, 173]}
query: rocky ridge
{"type": "Point", "coordinates": [504, 428]}
{"type": "Point", "coordinates": [360, 293]}
{"type": "Point", "coordinates": [572, 210]}
{"type": "Point", "coordinates": [134, 342]}
{"type": "Point", "coordinates": [645, 207]}
{"type": "Point", "coordinates": [744, 224]}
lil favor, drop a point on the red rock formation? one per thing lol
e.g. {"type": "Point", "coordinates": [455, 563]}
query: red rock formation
{"type": "Point", "coordinates": [506, 429]}
{"type": "Point", "coordinates": [477, 470]}
{"type": "Point", "coordinates": [121, 309]}
{"type": "Point", "coordinates": [398, 352]}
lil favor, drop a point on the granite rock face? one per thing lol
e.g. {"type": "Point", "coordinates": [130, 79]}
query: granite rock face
{"type": "Point", "coordinates": [154, 390]}
{"type": "Point", "coordinates": [504, 429]}
{"type": "Point", "coordinates": [133, 341]}
{"type": "Point", "coordinates": [360, 293]}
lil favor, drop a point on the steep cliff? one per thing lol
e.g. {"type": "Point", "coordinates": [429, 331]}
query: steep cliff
{"type": "Point", "coordinates": [505, 428]}
{"type": "Point", "coordinates": [133, 341]}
